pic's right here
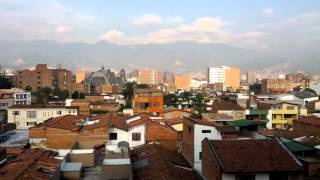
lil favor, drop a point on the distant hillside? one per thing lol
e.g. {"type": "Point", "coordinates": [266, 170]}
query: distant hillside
{"type": "Point", "coordinates": [181, 57]}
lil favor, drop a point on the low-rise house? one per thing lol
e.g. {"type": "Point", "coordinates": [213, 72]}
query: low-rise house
{"type": "Point", "coordinates": [21, 97]}
{"type": "Point", "coordinates": [249, 159]}
{"type": "Point", "coordinates": [174, 118]}
{"type": "Point", "coordinates": [83, 104]}
{"type": "Point", "coordinates": [281, 114]}
{"type": "Point", "coordinates": [6, 101]}
{"type": "Point", "coordinates": [197, 130]}
{"type": "Point", "coordinates": [153, 161]}
{"type": "Point", "coordinates": [313, 107]}
{"type": "Point", "coordinates": [26, 116]}
{"type": "Point", "coordinates": [228, 108]}
{"type": "Point", "coordinates": [63, 132]}
{"type": "Point", "coordinates": [99, 162]}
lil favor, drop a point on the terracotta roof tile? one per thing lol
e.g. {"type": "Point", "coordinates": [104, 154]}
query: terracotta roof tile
{"type": "Point", "coordinates": [161, 164]}
{"type": "Point", "coordinates": [312, 120]}
{"type": "Point", "coordinates": [32, 164]}
{"type": "Point", "coordinates": [220, 106]}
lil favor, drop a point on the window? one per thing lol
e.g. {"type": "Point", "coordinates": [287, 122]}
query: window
{"type": "Point", "coordinates": [190, 129]}
{"type": "Point", "coordinates": [136, 136]}
{"type": "Point", "coordinates": [113, 136]}
{"type": "Point", "coordinates": [15, 113]}
{"type": "Point", "coordinates": [200, 155]}
{"type": "Point", "coordinates": [31, 123]}
{"type": "Point", "coordinates": [59, 112]}
{"type": "Point", "coordinates": [206, 131]}
{"type": "Point", "coordinates": [245, 177]}
{"type": "Point", "coordinates": [290, 107]}
{"type": "Point", "coordinates": [31, 114]}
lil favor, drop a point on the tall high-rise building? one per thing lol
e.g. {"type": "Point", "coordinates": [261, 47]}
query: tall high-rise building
{"type": "Point", "coordinates": [80, 76]}
{"type": "Point", "coordinates": [42, 76]}
{"type": "Point", "coordinates": [182, 82]}
{"type": "Point", "coordinates": [149, 76]}
{"type": "Point", "coordinates": [251, 76]}
{"type": "Point", "coordinates": [228, 76]}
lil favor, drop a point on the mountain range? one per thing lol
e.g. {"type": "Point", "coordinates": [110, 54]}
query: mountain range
{"type": "Point", "coordinates": [179, 57]}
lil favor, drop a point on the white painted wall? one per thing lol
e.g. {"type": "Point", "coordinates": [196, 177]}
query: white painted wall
{"type": "Point", "coordinates": [269, 118]}
{"type": "Point", "coordinates": [127, 136]}
{"type": "Point", "coordinates": [42, 115]}
{"type": "Point", "coordinates": [199, 137]}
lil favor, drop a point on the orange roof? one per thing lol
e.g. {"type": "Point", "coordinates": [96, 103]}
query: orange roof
{"type": "Point", "coordinates": [32, 164]}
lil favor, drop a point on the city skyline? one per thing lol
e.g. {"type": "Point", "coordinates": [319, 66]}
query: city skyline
{"type": "Point", "coordinates": [259, 34]}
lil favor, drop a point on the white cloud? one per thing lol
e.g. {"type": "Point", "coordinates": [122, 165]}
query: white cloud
{"type": "Point", "coordinates": [267, 12]}
{"type": "Point", "coordinates": [198, 31]}
{"type": "Point", "coordinates": [148, 20]}
{"type": "Point", "coordinates": [19, 62]}
{"type": "Point", "coordinates": [63, 29]}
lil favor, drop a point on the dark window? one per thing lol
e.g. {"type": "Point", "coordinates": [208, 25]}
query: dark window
{"type": "Point", "coordinates": [190, 129]}
{"type": "Point", "coordinates": [200, 157]}
{"type": "Point", "coordinates": [113, 136]}
{"type": "Point", "coordinates": [15, 113]}
{"type": "Point", "coordinates": [136, 136]}
{"type": "Point", "coordinates": [245, 177]}
{"type": "Point", "coordinates": [206, 131]}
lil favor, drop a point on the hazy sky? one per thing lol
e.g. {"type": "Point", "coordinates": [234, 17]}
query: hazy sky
{"type": "Point", "coordinates": [259, 24]}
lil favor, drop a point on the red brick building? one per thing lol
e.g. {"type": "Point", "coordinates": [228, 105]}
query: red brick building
{"type": "Point", "coordinates": [42, 76]}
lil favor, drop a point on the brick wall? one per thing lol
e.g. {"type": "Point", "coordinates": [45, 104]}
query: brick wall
{"type": "Point", "coordinates": [37, 132]}
{"type": "Point", "coordinates": [60, 138]}
{"type": "Point", "coordinates": [210, 167]}
{"type": "Point", "coordinates": [188, 141]}
{"type": "Point", "coordinates": [156, 131]}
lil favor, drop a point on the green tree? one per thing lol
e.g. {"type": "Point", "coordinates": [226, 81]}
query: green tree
{"type": "Point", "coordinates": [81, 95]}
{"type": "Point", "coordinates": [61, 95]}
{"type": "Point", "coordinates": [171, 100]}
{"type": "Point", "coordinates": [75, 95]}
{"type": "Point", "coordinates": [28, 88]}
{"type": "Point", "coordinates": [5, 82]}
{"type": "Point", "coordinates": [43, 95]}
{"type": "Point", "coordinates": [186, 96]}
{"type": "Point", "coordinates": [256, 88]}
{"type": "Point", "coordinates": [198, 105]}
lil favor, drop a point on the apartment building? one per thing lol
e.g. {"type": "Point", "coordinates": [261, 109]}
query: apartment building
{"type": "Point", "coordinates": [42, 76]}
{"type": "Point", "coordinates": [148, 100]}
{"type": "Point", "coordinates": [228, 76]}
{"type": "Point", "coordinates": [277, 86]}
{"type": "Point", "coordinates": [21, 97]}
{"type": "Point", "coordinates": [251, 76]}
{"type": "Point", "coordinates": [26, 116]}
{"type": "Point", "coordinates": [146, 76]}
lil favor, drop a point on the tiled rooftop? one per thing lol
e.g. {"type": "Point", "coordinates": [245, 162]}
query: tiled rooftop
{"type": "Point", "coordinates": [151, 161]}
{"type": "Point", "coordinates": [248, 156]}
